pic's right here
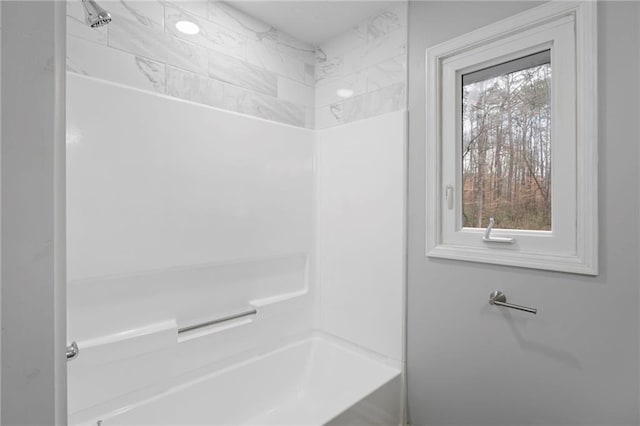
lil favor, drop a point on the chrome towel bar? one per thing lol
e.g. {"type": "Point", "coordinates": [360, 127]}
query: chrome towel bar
{"type": "Point", "coordinates": [500, 299]}
{"type": "Point", "coordinates": [217, 321]}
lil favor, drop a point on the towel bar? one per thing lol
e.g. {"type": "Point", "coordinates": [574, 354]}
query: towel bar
{"type": "Point", "coordinates": [499, 298]}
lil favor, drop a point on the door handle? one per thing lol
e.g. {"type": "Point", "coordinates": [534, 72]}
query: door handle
{"type": "Point", "coordinates": [500, 299]}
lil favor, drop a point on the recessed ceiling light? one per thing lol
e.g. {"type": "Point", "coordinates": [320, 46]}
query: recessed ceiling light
{"type": "Point", "coordinates": [187, 27]}
{"type": "Point", "coordinates": [344, 93]}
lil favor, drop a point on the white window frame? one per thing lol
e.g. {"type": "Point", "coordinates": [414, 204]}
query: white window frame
{"type": "Point", "coordinates": [569, 30]}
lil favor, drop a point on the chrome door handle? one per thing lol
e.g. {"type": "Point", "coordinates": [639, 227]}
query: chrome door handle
{"type": "Point", "coordinates": [499, 298]}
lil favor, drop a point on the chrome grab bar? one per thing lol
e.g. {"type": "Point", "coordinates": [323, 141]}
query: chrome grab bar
{"type": "Point", "coordinates": [72, 351]}
{"type": "Point", "coordinates": [217, 321]}
{"type": "Point", "coordinates": [499, 298]}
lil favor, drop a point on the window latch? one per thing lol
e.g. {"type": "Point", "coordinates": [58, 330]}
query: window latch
{"type": "Point", "coordinates": [449, 196]}
{"type": "Point", "coordinates": [489, 239]}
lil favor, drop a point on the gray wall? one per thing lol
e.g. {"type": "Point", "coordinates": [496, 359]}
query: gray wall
{"type": "Point", "coordinates": [577, 361]}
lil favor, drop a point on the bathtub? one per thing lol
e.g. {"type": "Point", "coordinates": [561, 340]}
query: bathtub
{"type": "Point", "coordinates": [315, 381]}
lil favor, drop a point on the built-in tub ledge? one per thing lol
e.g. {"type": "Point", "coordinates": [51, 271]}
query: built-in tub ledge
{"type": "Point", "coordinates": [283, 297]}
{"type": "Point", "coordinates": [127, 344]}
{"type": "Point", "coordinates": [316, 380]}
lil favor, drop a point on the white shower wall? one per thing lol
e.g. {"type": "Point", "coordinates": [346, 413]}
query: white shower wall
{"type": "Point", "coordinates": [360, 191]}
{"type": "Point", "coordinates": [175, 218]}
{"type": "Point", "coordinates": [193, 213]}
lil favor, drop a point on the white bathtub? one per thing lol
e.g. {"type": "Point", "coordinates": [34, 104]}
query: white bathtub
{"type": "Point", "coordinates": [315, 381]}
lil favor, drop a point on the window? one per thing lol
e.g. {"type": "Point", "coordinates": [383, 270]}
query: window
{"type": "Point", "coordinates": [506, 144]}
{"type": "Point", "coordinates": [512, 127]}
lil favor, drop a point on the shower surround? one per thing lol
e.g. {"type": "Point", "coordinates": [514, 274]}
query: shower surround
{"type": "Point", "coordinates": [207, 198]}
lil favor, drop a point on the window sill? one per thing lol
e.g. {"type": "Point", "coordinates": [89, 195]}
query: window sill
{"type": "Point", "coordinates": [512, 256]}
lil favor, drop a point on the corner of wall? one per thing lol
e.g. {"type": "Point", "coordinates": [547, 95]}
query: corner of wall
{"type": "Point", "coordinates": [362, 73]}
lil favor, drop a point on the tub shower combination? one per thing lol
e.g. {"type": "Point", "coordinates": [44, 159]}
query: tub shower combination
{"type": "Point", "coordinates": [228, 269]}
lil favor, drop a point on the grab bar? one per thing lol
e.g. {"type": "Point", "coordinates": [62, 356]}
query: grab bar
{"type": "Point", "coordinates": [217, 321]}
{"type": "Point", "coordinates": [499, 298]}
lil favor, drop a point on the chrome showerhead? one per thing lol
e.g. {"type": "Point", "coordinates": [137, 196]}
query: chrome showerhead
{"type": "Point", "coordinates": [94, 15]}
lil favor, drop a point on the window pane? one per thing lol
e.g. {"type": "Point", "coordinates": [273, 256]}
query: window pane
{"type": "Point", "coordinates": [506, 145]}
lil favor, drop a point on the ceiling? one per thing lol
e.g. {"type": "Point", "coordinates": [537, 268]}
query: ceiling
{"type": "Point", "coordinates": [312, 21]}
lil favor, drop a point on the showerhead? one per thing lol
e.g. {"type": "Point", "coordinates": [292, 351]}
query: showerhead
{"type": "Point", "coordinates": [94, 15]}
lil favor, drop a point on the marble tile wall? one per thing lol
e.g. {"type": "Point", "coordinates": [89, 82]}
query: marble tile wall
{"type": "Point", "coordinates": [242, 64]}
{"type": "Point", "coordinates": [235, 62]}
{"type": "Point", "coordinates": [369, 60]}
